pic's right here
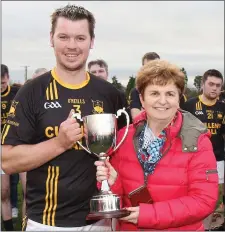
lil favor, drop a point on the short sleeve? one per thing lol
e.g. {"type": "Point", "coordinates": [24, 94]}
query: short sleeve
{"type": "Point", "coordinates": [135, 99]}
{"type": "Point", "coordinates": [20, 124]}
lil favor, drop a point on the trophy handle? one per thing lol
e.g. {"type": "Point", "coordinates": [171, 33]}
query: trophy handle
{"type": "Point", "coordinates": [78, 116]}
{"type": "Point", "coordinates": [119, 112]}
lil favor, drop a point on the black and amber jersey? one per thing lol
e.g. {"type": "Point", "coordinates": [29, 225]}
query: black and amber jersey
{"type": "Point", "coordinates": [183, 99]}
{"type": "Point", "coordinates": [6, 99]}
{"type": "Point", "coordinates": [135, 99]}
{"type": "Point", "coordinates": [213, 116]}
{"type": "Point", "coordinates": [58, 192]}
{"type": "Point", "coordinates": [222, 97]}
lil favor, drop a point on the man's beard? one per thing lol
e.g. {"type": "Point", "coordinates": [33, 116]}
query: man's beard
{"type": "Point", "coordinates": [72, 69]}
{"type": "Point", "coordinates": [211, 98]}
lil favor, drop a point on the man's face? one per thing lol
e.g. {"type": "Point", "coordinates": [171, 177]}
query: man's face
{"type": "Point", "coordinates": [98, 71]}
{"type": "Point", "coordinates": [4, 82]}
{"type": "Point", "coordinates": [212, 87]}
{"type": "Point", "coordinates": [72, 43]}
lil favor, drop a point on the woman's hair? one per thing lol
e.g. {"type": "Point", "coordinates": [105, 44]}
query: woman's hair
{"type": "Point", "coordinates": [159, 72]}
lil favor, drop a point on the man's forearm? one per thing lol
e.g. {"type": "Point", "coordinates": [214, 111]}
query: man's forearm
{"type": "Point", "coordinates": [22, 158]}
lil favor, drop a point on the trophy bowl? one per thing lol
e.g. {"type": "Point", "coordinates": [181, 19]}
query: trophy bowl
{"type": "Point", "coordinates": [100, 136]}
{"type": "Point", "coordinates": [106, 205]}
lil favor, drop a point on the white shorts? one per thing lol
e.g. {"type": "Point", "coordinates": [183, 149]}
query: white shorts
{"type": "Point", "coordinates": [102, 225]}
{"type": "Point", "coordinates": [220, 170]}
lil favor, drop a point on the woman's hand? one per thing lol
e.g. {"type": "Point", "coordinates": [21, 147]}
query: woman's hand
{"type": "Point", "coordinates": [105, 171]}
{"type": "Point", "coordinates": [133, 217]}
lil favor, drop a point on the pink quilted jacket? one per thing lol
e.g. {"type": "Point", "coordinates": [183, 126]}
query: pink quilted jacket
{"type": "Point", "coordinates": [184, 185]}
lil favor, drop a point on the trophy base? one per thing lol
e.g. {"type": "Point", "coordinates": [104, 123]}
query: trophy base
{"type": "Point", "coordinates": [112, 214]}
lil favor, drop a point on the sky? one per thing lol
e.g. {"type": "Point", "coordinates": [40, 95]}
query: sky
{"type": "Point", "coordinates": [189, 34]}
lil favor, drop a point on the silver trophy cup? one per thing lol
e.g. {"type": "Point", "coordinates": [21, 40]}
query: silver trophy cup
{"type": "Point", "coordinates": [100, 135]}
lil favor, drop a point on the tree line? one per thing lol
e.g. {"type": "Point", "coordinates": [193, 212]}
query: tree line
{"type": "Point", "coordinates": [189, 92]}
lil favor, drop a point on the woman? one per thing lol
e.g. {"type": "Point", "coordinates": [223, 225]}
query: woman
{"type": "Point", "coordinates": [165, 169]}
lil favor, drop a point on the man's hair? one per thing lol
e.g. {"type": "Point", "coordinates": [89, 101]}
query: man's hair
{"type": "Point", "coordinates": [211, 72]}
{"type": "Point", "coordinates": [150, 56]}
{"type": "Point", "coordinates": [40, 70]}
{"type": "Point", "coordinates": [73, 13]}
{"type": "Point", "coordinates": [4, 70]}
{"type": "Point", "coordinates": [18, 85]}
{"type": "Point", "coordinates": [99, 62]}
{"type": "Point", "coordinates": [159, 72]}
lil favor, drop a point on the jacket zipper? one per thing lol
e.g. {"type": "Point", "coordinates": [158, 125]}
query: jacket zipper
{"type": "Point", "coordinates": [211, 171]}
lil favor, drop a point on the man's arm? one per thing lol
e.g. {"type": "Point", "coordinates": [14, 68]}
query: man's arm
{"type": "Point", "coordinates": [23, 158]}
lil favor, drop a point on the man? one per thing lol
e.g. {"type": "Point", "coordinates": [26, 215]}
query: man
{"type": "Point", "coordinates": [99, 68]}
{"type": "Point", "coordinates": [135, 103]}
{"type": "Point", "coordinates": [7, 182]}
{"type": "Point", "coordinates": [211, 111]}
{"type": "Point", "coordinates": [41, 134]}
{"type": "Point", "coordinates": [38, 72]}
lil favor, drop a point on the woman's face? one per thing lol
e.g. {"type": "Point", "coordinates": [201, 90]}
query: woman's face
{"type": "Point", "coordinates": [160, 102]}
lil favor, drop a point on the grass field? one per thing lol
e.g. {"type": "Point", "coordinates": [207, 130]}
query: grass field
{"type": "Point", "coordinates": [18, 221]}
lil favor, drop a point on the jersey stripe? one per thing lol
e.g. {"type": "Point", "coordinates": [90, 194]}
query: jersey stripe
{"type": "Point", "coordinates": [47, 93]}
{"type": "Point", "coordinates": [55, 89]}
{"type": "Point", "coordinates": [3, 130]}
{"type": "Point", "coordinates": [51, 92]}
{"type": "Point", "coordinates": [55, 195]}
{"type": "Point", "coordinates": [196, 106]}
{"type": "Point", "coordinates": [47, 196]}
{"type": "Point", "coordinates": [5, 133]}
{"type": "Point", "coordinates": [51, 196]}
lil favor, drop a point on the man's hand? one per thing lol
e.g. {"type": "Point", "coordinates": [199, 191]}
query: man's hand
{"type": "Point", "coordinates": [69, 132]}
